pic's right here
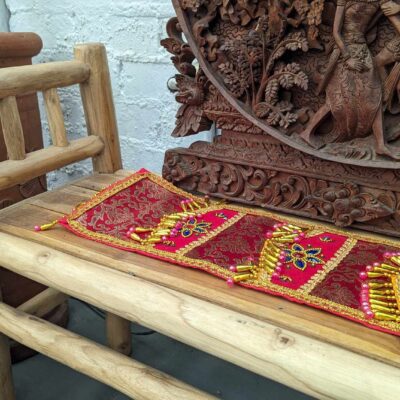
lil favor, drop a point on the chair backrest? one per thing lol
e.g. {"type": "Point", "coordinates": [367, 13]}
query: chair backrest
{"type": "Point", "coordinates": [90, 70]}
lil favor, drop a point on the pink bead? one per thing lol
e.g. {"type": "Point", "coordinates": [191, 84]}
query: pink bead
{"type": "Point", "coordinates": [178, 225]}
{"type": "Point", "coordinates": [365, 304]}
{"type": "Point", "coordinates": [199, 215]}
{"type": "Point", "coordinates": [297, 239]}
{"type": "Point", "coordinates": [269, 235]}
{"type": "Point", "coordinates": [386, 254]}
{"type": "Point", "coordinates": [278, 269]}
{"type": "Point", "coordinates": [279, 264]}
{"type": "Point", "coordinates": [365, 286]}
{"type": "Point", "coordinates": [127, 234]}
{"type": "Point", "coordinates": [376, 264]}
{"type": "Point", "coordinates": [230, 282]}
{"type": "Point", "coordinates": [302, 234]}
{"type": "Point", "coordinates": [37, 228]}
{"type": "Point", "coordinates": [172, 234]}
{"type": "Point", "coordinates": [282, 258]}
{"type": "Point", "coordinates": [174, 231]}
{"type": "Point", "coordinates": [276, 226]}
{"type": "Point", "coordinates": [131, 229]}
{"type": "Point", "coordinates": [164, 238]}
{"type": "Point", "coordinates": [184, 219]}
{"type": "Point", "coordinates": [251, 259]}
{"type": "Point", "coordinates": [296, 231]}
{"type": "Point", "coordinates": [233, 268]}
{"type": "Point", "coordinates": [275, 275]}
{"type": "Point", "coordinates": [370, 314]}
{"type": "Point", "coordinates": [363, 276]}
{"type": "Point", "coordinates": [369, 268]}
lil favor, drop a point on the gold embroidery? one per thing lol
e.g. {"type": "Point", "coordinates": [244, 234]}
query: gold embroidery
{"type": "Point", "coordinates": [329, 266]}
{"type": "Point", "coordinates": [262, 282]}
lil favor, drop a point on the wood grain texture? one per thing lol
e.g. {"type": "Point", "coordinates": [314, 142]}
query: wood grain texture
{"type": "Point", "coordinates": [303, 320]}
{"type": "Point", "coordinates": [122, 373]}
{"type": "Point", "coordinates": [312, 366]}
{"type": "Point", "coordinates": [99, 106]}
{"type": "Point", "coordinates": [6, 382]}
{"type": "Point", "coordinates": [42, 161]}
{"type": "Point", "coordinates": [43, 303]}
{"type": "Point", "coordinates": [55, 117]}
{"type": "Point", "coordinates": [119, 337]}
{"type": "Point", "coordinates": [12, 128]}
{"type": "Point", "coordinates": [33, 78]}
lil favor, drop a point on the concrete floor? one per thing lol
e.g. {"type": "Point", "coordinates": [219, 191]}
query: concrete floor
{"type": "Point", "coordinates": [40, 378]}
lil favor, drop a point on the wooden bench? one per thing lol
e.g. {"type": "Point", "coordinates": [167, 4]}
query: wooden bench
{"type": "Point", "coordinates": [309, 350]}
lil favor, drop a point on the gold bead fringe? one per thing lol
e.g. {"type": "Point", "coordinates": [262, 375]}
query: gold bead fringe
{"type": "Point", "coordinates": [380, 294]}
{"type": "Point", "coordinates": [271, 256]}
{"type": "Point", "coordinates": [169, 225]}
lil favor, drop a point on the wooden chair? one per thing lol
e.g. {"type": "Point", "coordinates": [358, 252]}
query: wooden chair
{"type": "Point", "coordinates": [309, 350]}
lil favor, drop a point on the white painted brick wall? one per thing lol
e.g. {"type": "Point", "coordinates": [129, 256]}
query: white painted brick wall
{"type": "Point", "coordinates": [4, 17]}
{"type": "Point", "coordinates": [140, 68]}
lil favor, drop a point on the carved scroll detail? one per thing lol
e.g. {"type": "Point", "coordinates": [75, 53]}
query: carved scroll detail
{"type": "Point", "coordinates": [342, 204]}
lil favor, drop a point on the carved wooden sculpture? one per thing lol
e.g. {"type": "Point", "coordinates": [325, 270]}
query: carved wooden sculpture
{"type": "Point", "coordinates": [306, 94]}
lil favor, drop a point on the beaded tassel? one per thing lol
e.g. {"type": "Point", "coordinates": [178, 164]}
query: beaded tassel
{"type": "Point", "coordinates": [380, 297]}
{"type": "Point", "coordinates": [272, 254]}
{"type": "Point", "coordinates": [45, 227]}
{"type": "Point", "coordinates": [170, 225]}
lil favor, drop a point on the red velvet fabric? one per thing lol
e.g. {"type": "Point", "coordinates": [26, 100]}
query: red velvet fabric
{"type": "Point", "coordinates": [321, 270]}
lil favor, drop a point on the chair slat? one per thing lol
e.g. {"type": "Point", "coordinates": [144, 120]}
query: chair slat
{"type": "Point", "coordinates": [98, 105]}
{"type": "Point", "coordinates": [55, 117]}
{"type": "Point", "coordinates": [33, 78]}
{"type": "Point", "coordinates": [12, 128]}
{"type": "Point", "coordinates": [42, 161]}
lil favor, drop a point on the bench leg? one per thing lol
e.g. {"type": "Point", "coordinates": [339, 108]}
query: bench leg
{"type": "Point", "coordinates": [6, 382]}
{"type": "Point", "coordinates": [119, 334]}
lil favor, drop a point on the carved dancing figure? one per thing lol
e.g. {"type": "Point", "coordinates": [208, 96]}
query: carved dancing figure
{"type": "Point", "coordinates": [352, 81]}
{"type": "Point", "coordinates": [390, 54]}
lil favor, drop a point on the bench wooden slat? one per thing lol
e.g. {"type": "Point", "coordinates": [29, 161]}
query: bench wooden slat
{"type": "Point", "coordinates": [310, 365]}
{"type": "Point", "coordinates": [122, 373]}
{"type": "Point", "coordinates": [303, 320]}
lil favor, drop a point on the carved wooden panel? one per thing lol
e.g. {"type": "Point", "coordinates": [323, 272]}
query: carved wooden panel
{"type": "Point", "coordinates": [287, 180]}
{"type": "Point", "coordinates": [320, 77]}
{"type": "Point", "coordinates": [306, 93]}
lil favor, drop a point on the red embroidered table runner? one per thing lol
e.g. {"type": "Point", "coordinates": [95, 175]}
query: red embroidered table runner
{"type": "Point", "coordinates": [336, 271]}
